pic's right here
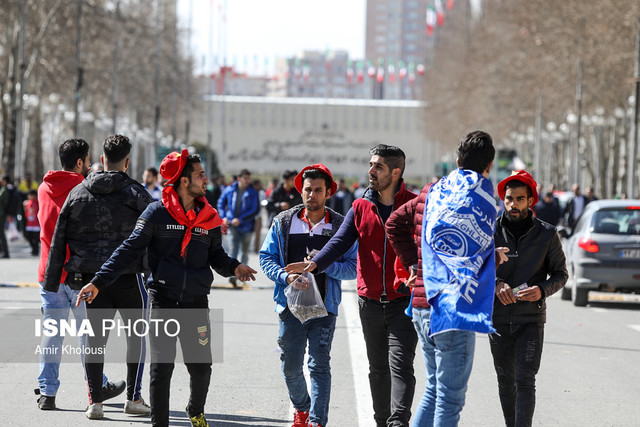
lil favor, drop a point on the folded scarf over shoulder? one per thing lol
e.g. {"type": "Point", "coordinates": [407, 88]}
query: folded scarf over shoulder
{"type": "Point", "coordinates": [458, 252]}
{"type": "Point", "coordinates": [207, 218]}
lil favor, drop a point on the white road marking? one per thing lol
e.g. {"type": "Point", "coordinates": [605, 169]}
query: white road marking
{"type": "Point", "coordinates": [635, 327]}
{"type": "Point", "coordinates": [358, 353]}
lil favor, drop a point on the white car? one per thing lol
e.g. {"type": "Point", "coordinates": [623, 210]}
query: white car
{"type": "Point", "coordinates": [603, 250]}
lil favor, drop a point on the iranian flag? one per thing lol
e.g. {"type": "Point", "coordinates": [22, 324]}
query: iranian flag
{"type": "Point", "coordinates": [349, 72]}
{"type": "Point", "coordinates": [431, 20]}
{"type": "Point", "coordinates": [392, 72]}
{"type": "Point", "coordinates": [439, 13]}
{"type": "Point", "coordinates": [380, 76]}
{"type": "Point", "coordinates": [449, 4]}
{"type": "Point", "coordinates": [402, 72]}
{"type": "Point", "coordinates": [371, 70]}
{"type": "Point", "coordinates": [360, 73]}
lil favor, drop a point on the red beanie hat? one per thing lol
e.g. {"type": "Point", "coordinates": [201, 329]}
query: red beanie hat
{"type": "Point", "coordinates": [322, 168]}
{"type": "Point", "coordinates": [523, 177]}
{"type": "Point", "coordinates": [172, 165]}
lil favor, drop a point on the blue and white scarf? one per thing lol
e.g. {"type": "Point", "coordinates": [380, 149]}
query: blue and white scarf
{"type": "Point", "coordinates": [458, 260]}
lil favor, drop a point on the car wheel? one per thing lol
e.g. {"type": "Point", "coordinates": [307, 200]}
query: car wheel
{"type": "Point", "coordinates": [580, 297]}
{"type": "Point", "coordinates": [565, 293]}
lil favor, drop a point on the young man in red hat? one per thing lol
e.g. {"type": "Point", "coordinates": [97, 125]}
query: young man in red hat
{"type": "Point", "coordinates": [536, 271]}
{"type": "Point", "coordinates": [182, 237]}
{"type": "Point", "coordinates": [292, 236]}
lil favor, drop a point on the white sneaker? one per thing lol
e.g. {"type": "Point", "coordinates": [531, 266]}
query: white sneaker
{"type": "Point", "coordinates": [137, 408]}
{"type": "Point", "coordinates": [95, 412]}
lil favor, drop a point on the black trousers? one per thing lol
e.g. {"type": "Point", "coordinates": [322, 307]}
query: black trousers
{"type": "Point", "coordinates": [194, 335]}
{"type": "Point", "coordinates": [4, 247]}
{"type": "Point", "coordinates": [517, 350]}
{"type": "Point", "coordinates": [391, 347]}
{"type": "Point", "coordinates": [129, 296]}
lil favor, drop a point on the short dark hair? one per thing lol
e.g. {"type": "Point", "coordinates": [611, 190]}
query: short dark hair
{"type": "Point", "coordinates": [116, 148]}
{"type": "Point", "coordinates": [317, 174]}
{"type": "Point", "coordinates": [244, 172]}
{"type": "Point", "coordinates": [393, 156]}
{"type": "Point", "coordinates": [516, 183]}
{"type": "Point", "coordinates": [153, 171]}
{"type": "Point", "coordinates": [476, 151]}
{"type": "Point", "coordinates": [8, 179]}
{"type": "Point", "coordinates": [288, 174]}
{"type": "Point", "coordinates": [70, 151]}
{"type": "Point", "coordinates": [188, 167]}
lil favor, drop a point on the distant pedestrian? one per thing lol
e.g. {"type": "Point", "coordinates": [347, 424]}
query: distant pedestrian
{"type": "Point", "coordinates": [32, 226]}
{"type": "Point", "coordinates": [548, 209]}
{"type": "Point", "coordinates": [285, 196]}
{"type": "Point", "coordinates": [342, 200]}
{"type": "Point", "coordinates": [151, 184]}
{"type": "Point", "coordinates": [238, 207]}
{"type": "Point", "coordinates": [293, 234]}
{"type": "Point", "coordinates": [576, 205]}
{"type": "Point", "coordinates": [521, 290]}
{"type": "Point", "coordinates": [5, 199]}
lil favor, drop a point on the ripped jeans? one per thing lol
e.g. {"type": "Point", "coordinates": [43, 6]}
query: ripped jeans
{"type": "Point", "coordinates": [517, 350]}
{"type": "Point", "coordinates": [292, 339]}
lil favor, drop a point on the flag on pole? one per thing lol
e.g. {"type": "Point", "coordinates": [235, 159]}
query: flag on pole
{"type": "Point", "coordinates": [349, 72]}
{"type": "Point", "coordinates": [380, 76]}
{"type": "Point", "coordinates": [449, 4]}
{"type": "Point", "coordinates": [371, 70]}
{"type": "Point", "coordinates": [402, 72]}
{"type": "Point", "coordinates": [439, 13]}
{"type": "Point", "coordinates": [360, 72]}
{"type": "Point", "coordinates": [431, 20]}
{"type": "Point", "coordinates": [391, 69]}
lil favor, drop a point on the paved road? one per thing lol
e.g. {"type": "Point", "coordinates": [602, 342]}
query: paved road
{"type": "Point", "coordinates": [590, 375]}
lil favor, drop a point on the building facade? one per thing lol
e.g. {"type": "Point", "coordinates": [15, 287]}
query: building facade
{"type": "Point", "coordinates": [268, 135]}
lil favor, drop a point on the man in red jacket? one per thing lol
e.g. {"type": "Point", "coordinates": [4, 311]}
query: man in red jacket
{"type": "Point", "coordinates": [52, 193]}
{"type": "Point", "coordinates": [389, 334]}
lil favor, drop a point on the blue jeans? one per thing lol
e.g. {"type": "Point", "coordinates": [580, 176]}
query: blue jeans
{"type": "Point", "coordinates": [448, 357]}
{"type": "Point", "coordinates": [240, 243]}
{"type": "Point", "coordinates": [292, 339]}
{"type": "Point", "coordinates": [56, 305]}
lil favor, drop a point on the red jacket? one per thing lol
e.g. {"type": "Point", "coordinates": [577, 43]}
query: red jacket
{"type": "Point", "coordinates": [404, 228]}
{"type": "Point", "coordinates": [52, 193]}
{"type": "Point", "coordinates": [375, 254]}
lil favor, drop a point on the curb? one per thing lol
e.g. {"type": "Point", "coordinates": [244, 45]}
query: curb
{"type": "Point", "coordinates": [20, 285]}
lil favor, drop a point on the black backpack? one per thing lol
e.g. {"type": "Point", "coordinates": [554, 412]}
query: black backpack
{"type": "Point", "coordinates": [15, 202]}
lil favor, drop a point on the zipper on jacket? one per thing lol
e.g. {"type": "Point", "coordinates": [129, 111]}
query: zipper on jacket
{"type": "Point", "coordinates": [184, 275]}
{"type": "Point", "coordinates": [383, 296]}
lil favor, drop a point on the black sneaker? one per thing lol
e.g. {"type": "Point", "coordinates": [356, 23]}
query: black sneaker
{"type": "Point", "coordinates": [112, 390]}
{"type": "Point", "coordinates": [47, 403]}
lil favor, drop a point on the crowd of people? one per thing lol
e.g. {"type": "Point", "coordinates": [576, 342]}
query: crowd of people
{"type": "Point", "coordinates": [432, 268]}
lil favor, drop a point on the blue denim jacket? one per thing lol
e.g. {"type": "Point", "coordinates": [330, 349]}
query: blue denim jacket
{"type": "Point", "coordinates": [273, 259]}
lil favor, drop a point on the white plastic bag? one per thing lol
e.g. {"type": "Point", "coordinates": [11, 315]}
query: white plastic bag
{"type": "Point", "coordinates": [305, 304]}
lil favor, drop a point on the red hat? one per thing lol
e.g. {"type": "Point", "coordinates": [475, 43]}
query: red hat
{"type": "Point", "coordinates": [523, 177]}
{"type": "Point", "coordinates": [172, 165]}
{"type": "Point", "coordinates": [322, 168]}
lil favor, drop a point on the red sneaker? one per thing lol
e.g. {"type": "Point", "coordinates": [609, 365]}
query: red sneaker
{"type": "Point", "coordinates": [300, 419]}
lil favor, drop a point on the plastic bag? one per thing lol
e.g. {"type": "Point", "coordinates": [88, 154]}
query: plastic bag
{"type": "Point", "coordinates": [305, 304]}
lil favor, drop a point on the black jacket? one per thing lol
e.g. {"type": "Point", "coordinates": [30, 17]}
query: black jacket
{"type": "Point", "coordinates": [538, 259]}
{"type": "Point", "coordinates": [172, 277]}
{"type": "Point", "coordinates": [98, 215]}
{"type": "Point", "coordinates": [280, 195]}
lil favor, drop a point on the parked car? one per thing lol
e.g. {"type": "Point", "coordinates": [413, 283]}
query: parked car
{"type": "Point", "coordinates": [603, 250]}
